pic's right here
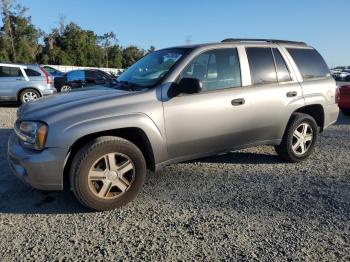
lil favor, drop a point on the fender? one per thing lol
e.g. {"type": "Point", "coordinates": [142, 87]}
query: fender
{"type": "Point", "coordinates": [85, 127]}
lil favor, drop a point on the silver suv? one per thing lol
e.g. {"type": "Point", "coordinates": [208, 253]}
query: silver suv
{"type": "Point", "coordinates": [174, 105]}
{"type": "Point", "coordinates": [24, 83]}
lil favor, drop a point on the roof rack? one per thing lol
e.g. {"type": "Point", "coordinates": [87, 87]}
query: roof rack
{"type": "Point", "coordinates": [276, 41]}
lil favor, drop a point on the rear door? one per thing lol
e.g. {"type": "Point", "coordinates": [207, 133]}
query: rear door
{"type": "Point", "coordinates": [11, 81]}
{"type": "Point", "coordinates": [272, 96]}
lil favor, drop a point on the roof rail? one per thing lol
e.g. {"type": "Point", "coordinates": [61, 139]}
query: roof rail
{"type": "Point", "coordinates": [276, 41]}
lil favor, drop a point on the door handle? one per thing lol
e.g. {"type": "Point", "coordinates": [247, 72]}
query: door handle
{"type": "Point", "coordinates": [19, 79]}
{"type": "Point", "coordinates": [292, 94]}
{"type": "Point", "coordinates": [238, 102]}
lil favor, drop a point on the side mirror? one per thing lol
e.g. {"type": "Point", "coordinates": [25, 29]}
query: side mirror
{"type": "Point", "coordinates": [186, 86]}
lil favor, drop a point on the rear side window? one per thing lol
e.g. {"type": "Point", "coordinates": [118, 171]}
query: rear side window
{"type": "Point", "coordinates": [310, 63]}
{"type": "Point", "coordinates": [31, 72]}
{"type": "Point", "coordinates": [281, 67]}
{"type": "Point", "coordinates": [92, 75]}
{"type": "Point", "coordinates": [6, 71]}
{"type": "Point", "coordinates": [262, 65]}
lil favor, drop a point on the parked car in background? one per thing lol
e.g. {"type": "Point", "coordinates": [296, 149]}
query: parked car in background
{"type": "Point", "coordinates": [341, 75]}
{"type": "Point", "coordinates": [52, 71]}
{"type": "Point", "coordinates": [24, 83]}
{"type": "Point", "coordinates": [179, 104]}
{"type": "Point", "coordinates": [335, 73]}
{"type": "Point", "coordinates": [107, 75]}
{"type": "Point", "coordinates": [343, 97]}
{"type": "Point", "coordinates": [82, 78]}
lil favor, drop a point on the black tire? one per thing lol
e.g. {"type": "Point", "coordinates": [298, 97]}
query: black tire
{"type": "Point", "coordinates": [284, 150]}
{"type": "Point", "coordinates": [25, 92]}
{"type": "Point", "coordinates": [85, 159]}
{"type": "Point", "coordinates": [345, 111]}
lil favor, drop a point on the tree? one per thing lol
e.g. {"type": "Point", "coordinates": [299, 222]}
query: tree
{"type": "Point", "coordinates": [106, 41]}
{"type": "Point", "coordinates": [18, 37]}
{"type": "Point", "coordinates": [131, 54]}
{"type": "Point", "coordinates": [7, 34]}
{"type": "Point", "coordinates": [74, 46]}
{"type": "Point", "coordinates": [116, 56]}
{"type": "Point", "coordinates": [69, 44]}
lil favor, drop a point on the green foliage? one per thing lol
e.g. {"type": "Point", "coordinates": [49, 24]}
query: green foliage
{"type": "Point", "coordinates": [22, 42]}
{"type": "Point", "coordinates": [131, 54]}
{"type": "Point", "coordinates": [18, 36]}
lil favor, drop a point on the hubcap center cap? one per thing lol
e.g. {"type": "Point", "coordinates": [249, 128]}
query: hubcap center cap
{"type": "Point", "coordinates": [112, 175]}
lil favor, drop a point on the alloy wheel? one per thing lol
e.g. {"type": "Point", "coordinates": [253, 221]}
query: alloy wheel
{"type": "Point", "coordinates": [29, 96]}
{"type": "Point", "coordinates": [111, 176]}
{"type": "Point", "coordinates": [66, 88]}
{"type": "Point", "coordinates": [302, 139]}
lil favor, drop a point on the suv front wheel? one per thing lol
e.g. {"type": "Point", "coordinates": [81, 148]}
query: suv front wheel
{"type": "Point", "coordinates": [299, 138]}
{"type": "Point", "coordinates": [107, 173]}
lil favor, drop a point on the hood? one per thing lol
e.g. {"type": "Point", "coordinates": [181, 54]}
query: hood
{"type": "Point", "coordinates": [54, 104]}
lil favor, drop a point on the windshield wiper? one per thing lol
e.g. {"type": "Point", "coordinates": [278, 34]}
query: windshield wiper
{"type": "Point", "coordinates": [124, 85]}
{"type": "Point", "coordinates": [132, 86]}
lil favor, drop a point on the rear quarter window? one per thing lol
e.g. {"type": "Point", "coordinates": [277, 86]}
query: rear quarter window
{"type": "Point", "coordinates": [31, 72]}
{"type": "Point", "coordinates": [310, 63]}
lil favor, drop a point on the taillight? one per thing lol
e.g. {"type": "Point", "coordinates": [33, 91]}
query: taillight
{"type": "Point", "coordinates": [48, 79]}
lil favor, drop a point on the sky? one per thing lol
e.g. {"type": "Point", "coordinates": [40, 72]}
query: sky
{"type": "Point", "coordinates": [320, 23]}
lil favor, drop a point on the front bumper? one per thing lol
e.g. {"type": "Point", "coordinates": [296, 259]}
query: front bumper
{"type": "Point", "coordinates": [42, 170]}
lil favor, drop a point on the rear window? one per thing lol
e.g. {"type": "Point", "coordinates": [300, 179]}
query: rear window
{"type": "Point", "coordinates": [31, 72]}
{"type": "Point", "coordinates": [262, 65]}
{"type": "Point", "coordinates": [310, 63]}
{"type": "Point", "coordinates": [7, 71]}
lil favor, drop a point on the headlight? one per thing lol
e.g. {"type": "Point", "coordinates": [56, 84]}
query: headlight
{"type": "Point", "coordinates": [33, 134]}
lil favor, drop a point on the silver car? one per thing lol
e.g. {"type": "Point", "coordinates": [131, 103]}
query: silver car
{"type": "Point", "coordinates": [24, 83]}
{"type": "Point", "coordinates": [174, 105]}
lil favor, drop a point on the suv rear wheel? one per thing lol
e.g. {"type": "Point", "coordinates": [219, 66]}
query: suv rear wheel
{"type": "Point", "coordinates": [28, 95]}
{"type": "Point", "coordinates": [107, 173]}
{"type": "Point", "coordinates": [65, 88]}
{"type": "Point", "coordinates": [299, 139]}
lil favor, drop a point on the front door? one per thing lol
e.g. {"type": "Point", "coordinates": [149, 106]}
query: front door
{"type": "Point", "coordinates": [11, 80]}
{"type": "Point", "coordinates": [213, 119]}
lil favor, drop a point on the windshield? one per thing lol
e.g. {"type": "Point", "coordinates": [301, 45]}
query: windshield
{"type": "Point", "coordinates": [152, 68]}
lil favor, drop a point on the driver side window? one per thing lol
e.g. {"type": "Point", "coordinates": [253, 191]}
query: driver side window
{"type": "Point", "coordinates": [217, 69]}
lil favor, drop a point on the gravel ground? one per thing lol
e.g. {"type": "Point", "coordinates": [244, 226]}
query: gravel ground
{"type": "Point", "coordinates": [244, 205]}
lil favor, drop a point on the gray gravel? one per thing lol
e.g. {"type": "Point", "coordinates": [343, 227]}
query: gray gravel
{"type": "Point", "coordinates": [244, 205]}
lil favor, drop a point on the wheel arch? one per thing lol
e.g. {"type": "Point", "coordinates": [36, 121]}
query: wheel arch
{"type": "Point", "coordinates": [133, 134]}
{"type": "Point", "coordinates": [316, 111]}
{"type": "Point", "coordinates": [24, 88]}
